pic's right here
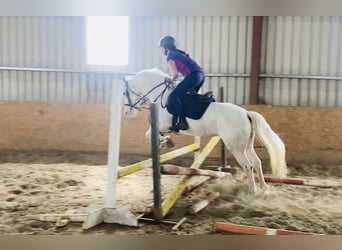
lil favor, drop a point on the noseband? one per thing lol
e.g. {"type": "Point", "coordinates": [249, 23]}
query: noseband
{"type": "Point", "coordinates": [141, 99]}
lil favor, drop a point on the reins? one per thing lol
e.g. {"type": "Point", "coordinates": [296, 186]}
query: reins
{"type": "Point", "coordinates": [142, 99]}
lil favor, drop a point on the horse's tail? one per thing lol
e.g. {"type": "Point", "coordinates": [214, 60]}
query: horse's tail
{"type": "Point", "coordinates": [273, 143]}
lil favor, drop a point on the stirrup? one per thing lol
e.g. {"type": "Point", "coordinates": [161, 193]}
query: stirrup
{"type": "Point", "coordinates": [205, 96]}
{"type": "Point", "coordinates": [209, 94]}
{"type": "Point", "coordinates": [183, 125]}
{"type": "Point", "coordinates": [174, 128]}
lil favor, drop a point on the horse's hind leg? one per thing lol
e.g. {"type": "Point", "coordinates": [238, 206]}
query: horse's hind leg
{"type": "Point", "coordinates": [256, 163]}
{"type": "Point", "coordinates": [246, 165]}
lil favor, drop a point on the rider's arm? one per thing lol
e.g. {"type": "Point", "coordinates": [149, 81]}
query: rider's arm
{"type": "Point", "coordinates": [173, 69]}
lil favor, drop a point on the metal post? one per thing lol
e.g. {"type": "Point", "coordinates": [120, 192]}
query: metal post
{"type": "Point", "coordinates": [256, 51]}
{"type": "Point", "coordinates": [157, 210]}
{"type": "Point", "coordinates": [197, 139]}
{"type": "Point", "coordinates": [223, 147]}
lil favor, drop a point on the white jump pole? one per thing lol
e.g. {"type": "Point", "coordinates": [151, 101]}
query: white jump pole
{"type": "Point", "coordinates": [197, 153]}
{"type": "Point", "coordinates": [114, 144]}
{"type": "Point", "coordinates": [110, 213]}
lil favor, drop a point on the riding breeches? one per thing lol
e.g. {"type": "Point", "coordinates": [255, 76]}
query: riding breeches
{"type": "Point", "coordinates": [192, 82]}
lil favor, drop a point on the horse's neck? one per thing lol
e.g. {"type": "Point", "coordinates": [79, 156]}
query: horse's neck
{"type": "Point", "coordinates": [156, 94]}
{"type": "Point", "coordinates": [160, 94]}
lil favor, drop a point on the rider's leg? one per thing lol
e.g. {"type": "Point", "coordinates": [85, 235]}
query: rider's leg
{"type": "Point", "coordinates": [198, 80]}
{"type": "Point", "coordinates": [192, 82]}
{"type": "Point", "coordinates": [182, 124]}
{"type": "Point", "coordinates": [172, 109]}
{"type": "Point", "coordinates": [178, 119]}
{"type": "Point", "coordinates": [174, 126]}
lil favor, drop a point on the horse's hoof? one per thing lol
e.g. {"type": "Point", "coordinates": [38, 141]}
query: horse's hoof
{"type": "Point", "coordinates": [252, 192]}
{"type": "Point", "coordinates": [169, 142]}
{"type": "Point", "coordinates": [262, 192]}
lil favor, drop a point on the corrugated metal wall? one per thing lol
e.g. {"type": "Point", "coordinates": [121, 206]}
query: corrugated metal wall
{"type": "Point", "coordinates": [293, 50]}
{"type": "Point", "coordinates": [220, 44]}
{"type": "Point", "coordinates": [42, 42]}
{"type": "Point", "coordinates": [49, 43]}
{"type": "Point", "coordinates": [309, 50]}
{"type": "Point", "coordinates": [64, 87]}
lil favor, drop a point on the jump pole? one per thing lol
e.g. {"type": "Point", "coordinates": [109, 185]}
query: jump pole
{"type": "Point", "coordinates": [298, 181]}
{"type": "Point", "coordinates": [196, 183]}
{"type": "Point", "coordinates": [110, 213]}
{"type": "Point", "coordinates": [203, 203]}
{"type": "Point", "coordinates": [170, 169]}
{"type": "Point", "coordinates": [130, 169]}
{"type": "Point", "coordinates": [225, 227]}
{"type": "Point", "coordinates": [178, 190]}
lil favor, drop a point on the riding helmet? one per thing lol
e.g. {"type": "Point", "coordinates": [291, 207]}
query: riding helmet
{"type": "Point", "coordinates": [168, 42]}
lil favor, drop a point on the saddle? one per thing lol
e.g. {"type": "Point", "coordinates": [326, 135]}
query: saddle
{"type": "Point", "coordinates": [201, 97]}
{"type": "Point", "coordinates": [195, 104]}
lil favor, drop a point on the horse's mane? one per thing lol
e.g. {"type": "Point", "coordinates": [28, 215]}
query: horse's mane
{"type": "Point", "coordinates": [147, 78]}
{"type": "Point", "coordinates": [153, 71]}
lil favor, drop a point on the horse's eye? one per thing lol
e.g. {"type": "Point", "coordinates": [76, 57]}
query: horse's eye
{"type": "Point", "coordinates": [124, 93]}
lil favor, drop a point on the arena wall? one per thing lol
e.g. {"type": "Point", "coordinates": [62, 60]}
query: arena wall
{"type": "Point", "coordinates": [310, 134]}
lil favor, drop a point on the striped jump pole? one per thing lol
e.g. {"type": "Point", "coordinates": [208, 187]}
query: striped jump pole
{"type": "Point", "coordinates": [178, 190]}
{"type": "Point", "coordinates": [204, 203]}
{"type": "Point", "coordinates": [130, 169]}
{"type": "Point", "coordinates": [225, 227]}
{"type": "Point", "coordinates": [304, 182]}
{"type": "Point", "coordinates": [195, 182]}
{"type": "Point", "coordinates": [170, 169]}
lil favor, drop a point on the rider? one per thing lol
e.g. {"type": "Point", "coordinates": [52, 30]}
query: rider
{"type": "Point", "coordinates": [179, 61]}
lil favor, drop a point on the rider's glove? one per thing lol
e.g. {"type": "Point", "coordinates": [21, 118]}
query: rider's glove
{"type": "Point", "coordinates": [168, 80]}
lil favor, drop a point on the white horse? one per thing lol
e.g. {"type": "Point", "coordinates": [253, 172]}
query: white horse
{"type": "Point", "coordinates": [236, 126]}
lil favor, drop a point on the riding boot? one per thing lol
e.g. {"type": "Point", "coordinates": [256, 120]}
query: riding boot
{"type": "Point", "coordinates": [174, 126]}
{"type": "Point", "coordinates": [182, 124]}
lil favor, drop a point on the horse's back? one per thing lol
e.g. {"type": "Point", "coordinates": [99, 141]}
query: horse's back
{"type": "Point", "coordinates": [229, 111]}
{"type": "Point", "coordinates": [221, 118]}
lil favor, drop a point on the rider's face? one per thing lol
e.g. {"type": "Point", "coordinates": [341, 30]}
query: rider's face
{"type": "Point", "coordinates": [163, 51]}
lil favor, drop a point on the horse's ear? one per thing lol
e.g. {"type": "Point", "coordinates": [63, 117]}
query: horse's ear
{"type": "Point", "coordinates": [126, 78]}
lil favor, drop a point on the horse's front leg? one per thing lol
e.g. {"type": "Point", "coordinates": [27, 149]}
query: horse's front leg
{"type": "Point", "coordinates": [163, 139]}
{"type": "Point", "coordinates": [164, 120]}
{"type": "Point", "coordinates": [148, 134]}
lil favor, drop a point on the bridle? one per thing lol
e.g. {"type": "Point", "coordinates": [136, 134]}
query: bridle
{"type": "Point", "coordinates": [141, 99]}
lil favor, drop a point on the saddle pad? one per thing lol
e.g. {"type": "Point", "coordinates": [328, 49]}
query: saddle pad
{"type": "Point", "coordinates": [195, 106]}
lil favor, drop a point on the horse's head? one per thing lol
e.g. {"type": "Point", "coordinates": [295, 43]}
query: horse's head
{"type": "Point", "coordinates": [140, 90]}
{"type": "Point", "coordinates": [130, 98]}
